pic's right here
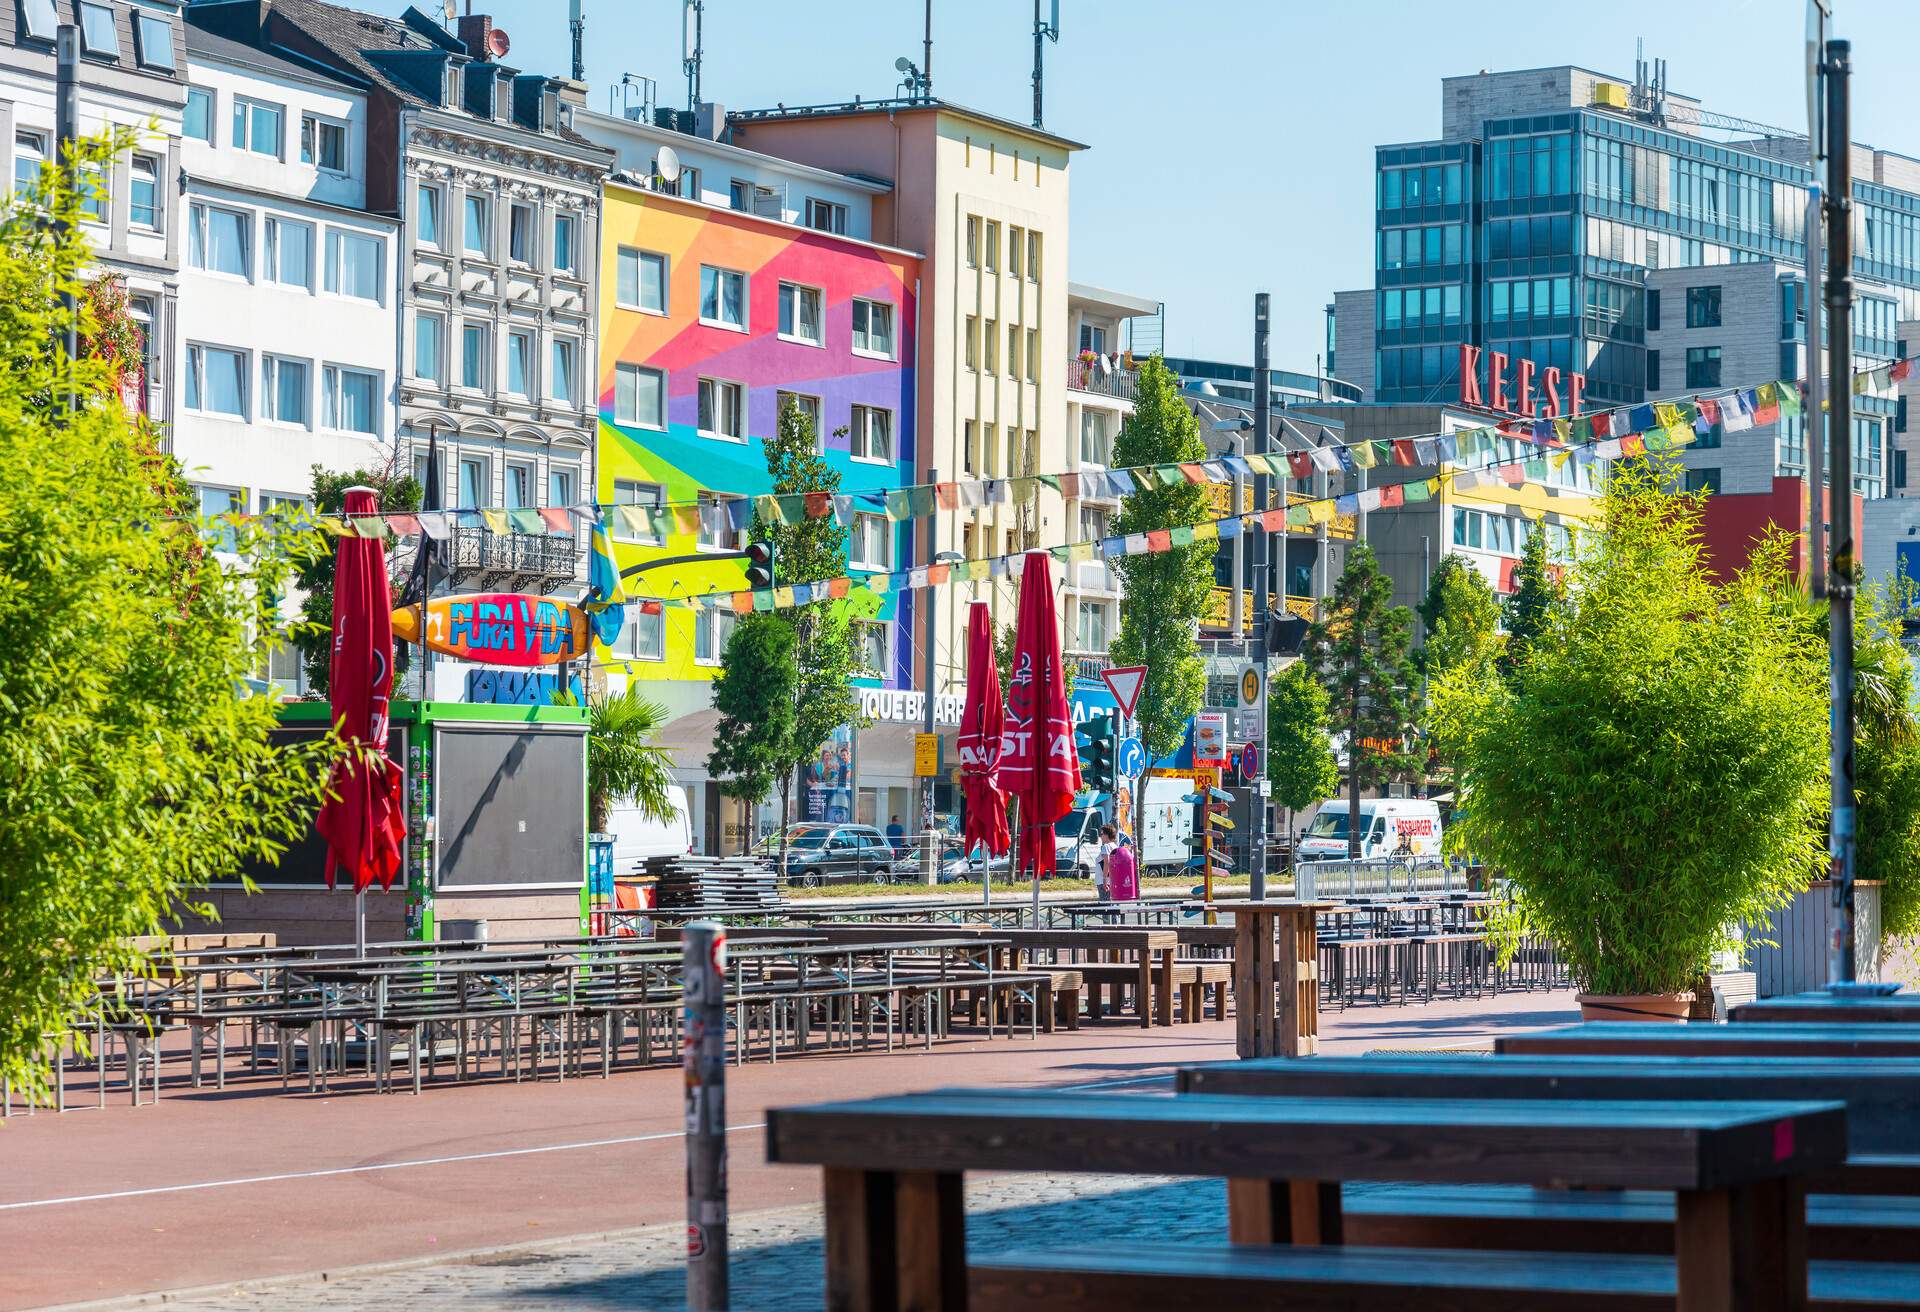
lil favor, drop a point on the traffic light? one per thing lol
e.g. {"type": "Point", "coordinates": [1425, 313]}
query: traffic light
{"type": "Point", "coordinates": [759, 564]}
{"type": "Point", "coordinates": [1094, 740]}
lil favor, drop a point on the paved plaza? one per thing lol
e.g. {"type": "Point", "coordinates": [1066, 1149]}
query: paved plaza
{"type": "Point", "coordinates": [550, 1194]}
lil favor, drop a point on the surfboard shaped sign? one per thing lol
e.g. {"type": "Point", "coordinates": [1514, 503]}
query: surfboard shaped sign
{"type": "Point", "coordinates": [500, 628]}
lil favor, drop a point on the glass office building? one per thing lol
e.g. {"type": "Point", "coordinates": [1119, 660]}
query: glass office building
{"type": "Point", "coordinates": [1531, 226]}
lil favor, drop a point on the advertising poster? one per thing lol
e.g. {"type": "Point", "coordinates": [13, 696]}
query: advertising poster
{"type": "Point", "coordinates": [827, 792]}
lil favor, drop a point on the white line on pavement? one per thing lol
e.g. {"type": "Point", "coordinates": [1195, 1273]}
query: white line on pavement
{"type": "Point", "coordinates": [355, 1170]}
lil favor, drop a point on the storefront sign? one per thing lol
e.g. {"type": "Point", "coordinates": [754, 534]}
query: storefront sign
{"type": "Point", "coordinates": [1517, 387]}
{"type": "Point", "coordinates": [512, 688]}
{"type": "Point", "coordinates": [909, 706]}
{"type": "Point", "coordinates": [1210, 738]}
{"type": "Point", "coordinates": [500, 628]}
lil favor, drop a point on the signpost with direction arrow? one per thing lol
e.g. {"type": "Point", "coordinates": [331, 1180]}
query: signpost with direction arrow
{"type": "Point", "coordinates": [1131, 759]}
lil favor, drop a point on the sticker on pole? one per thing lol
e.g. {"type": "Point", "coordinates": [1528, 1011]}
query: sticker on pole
{"type": "Point", "coordinates": [1131, 759]}
{"type": "Point", "coordinates": [1125, 683]}
{"type": "Point", "coordinates": [696, 1241]}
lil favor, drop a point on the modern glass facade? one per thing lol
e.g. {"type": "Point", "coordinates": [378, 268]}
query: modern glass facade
{"type": "Point", "coordinates": [1535, 239]}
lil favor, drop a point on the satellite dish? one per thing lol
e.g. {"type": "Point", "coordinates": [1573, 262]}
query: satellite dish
{"type": "Point", "coordinates": [497, 42]}
{"type": "Point", "coordinates": [903, 65]}
{"type": "Point", "coordinates": [667, 164]}
{"type": "Point", "coordinates": [450, 8]}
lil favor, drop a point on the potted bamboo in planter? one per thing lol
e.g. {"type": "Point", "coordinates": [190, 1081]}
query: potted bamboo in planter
{"type": "Point", "coordinates": [1653, 770]}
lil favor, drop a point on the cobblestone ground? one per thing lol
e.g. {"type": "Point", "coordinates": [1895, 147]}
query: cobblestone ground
{"type": "Point", "coordinates": [777, 1260]}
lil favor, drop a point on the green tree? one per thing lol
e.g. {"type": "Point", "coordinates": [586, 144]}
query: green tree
{"type": "Point", "coordinates": [1300, 760]}
{"type": "Point", "coordinates": [753, 741]}
{"type": "Point", "coordinates": [1660, 773]}
{"type": "Point", "coordinates": [1359, 651]}
{"type": "Point", "coordinates": [624, 763]}
{"type": "Point", "coordinates": [1166, 590]}
{"type": "Point", "coordinates": [396, 491]}
{"type": "Point", "coordinates": [1462, 619]}
{"type": "Point", "coordinates": [1887, 761]}
{"type": "Point", "coordinates": [1003, 639]}
{"type": "Point", "coordinates": [1537, 593]}
{"type": "Point", "coordinates": [824, 643]}
{"type": "Point", "coordinates": [134, 771]}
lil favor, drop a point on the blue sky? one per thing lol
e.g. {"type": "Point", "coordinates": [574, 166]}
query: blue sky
{"type": "Point", "coordinates": [1231, 140]}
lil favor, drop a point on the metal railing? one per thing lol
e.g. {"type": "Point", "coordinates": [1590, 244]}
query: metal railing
{"type": "Point", "coordinates": [1085, 376]}
{"type": "Point", "coordinates": [509, 556]}
{"type": "Point", "coordinates": [1385, 875]}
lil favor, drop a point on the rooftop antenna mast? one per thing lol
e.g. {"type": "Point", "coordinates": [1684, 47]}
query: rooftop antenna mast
{"type": "Point", "coordinates": [1044, 29]}
{"type": "Point", "coordinates": [690, 15]}
{"type": "Point", "coordinates": [577, 25]}
{"type": "Point", "coordinates": [926, 76]}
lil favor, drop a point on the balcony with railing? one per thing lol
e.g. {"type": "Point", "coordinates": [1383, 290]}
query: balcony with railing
{"type": "Point", "coordinates": [1101, 379]}
{"type": "Point", "coordinates": [517, 562]}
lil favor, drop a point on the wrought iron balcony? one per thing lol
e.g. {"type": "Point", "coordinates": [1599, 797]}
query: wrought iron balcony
{"type": "Point", "coordinates": [515, 562]}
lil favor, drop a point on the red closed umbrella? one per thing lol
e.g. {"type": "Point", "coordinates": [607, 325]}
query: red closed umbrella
{"type": "Point", "coordinates": [1038, 763]}
{"type": "Point", "coordinates": [981, 726]}
{"type": "Point", "coordinates": [364, 821]}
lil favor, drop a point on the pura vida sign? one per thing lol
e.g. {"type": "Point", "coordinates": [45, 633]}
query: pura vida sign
{"type": "Point", "coordinates": [1491, 381]}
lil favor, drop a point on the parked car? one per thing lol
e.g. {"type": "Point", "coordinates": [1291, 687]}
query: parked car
{"type": "Point", "coordinates": [820, 854]}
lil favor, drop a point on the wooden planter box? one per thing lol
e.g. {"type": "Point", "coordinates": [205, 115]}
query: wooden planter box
{"type": "Point", "coordinates": [1801, 930]}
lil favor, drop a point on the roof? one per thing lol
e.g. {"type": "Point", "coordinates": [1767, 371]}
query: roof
{"type": "Point", "coordinates": [784, 114]}
{"type": "Point", "coordinates": [609, 125]}
{"type": "Point", "coordinates": [203, 44]}
{"type": "Point", "coordinates": [1123, 304]}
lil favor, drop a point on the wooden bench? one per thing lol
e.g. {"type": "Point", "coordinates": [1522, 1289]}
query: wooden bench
{"type": "Point", "coordinates": [895, 1219]}
{"type": "Point", "coordinates": [1628, 1038]}
{"type": "Point", "coordinates": [1823, 1008]}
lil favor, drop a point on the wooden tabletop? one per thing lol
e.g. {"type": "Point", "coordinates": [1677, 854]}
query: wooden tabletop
{"type": "Point", "coordinates": [1825, 1008]}
{"type": "Point", "coordinates": [1685, 1146]}
{"type": "Point", "coordinates": [1629, 1037]}
{"type": "Point", "coordinates": [1882, 1096]}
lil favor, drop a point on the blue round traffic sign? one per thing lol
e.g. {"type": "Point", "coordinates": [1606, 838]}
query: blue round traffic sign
{"type": "Point", "coordinates": [1131, 759]}
{"type": "Point", "coordinates": [1250, 762]}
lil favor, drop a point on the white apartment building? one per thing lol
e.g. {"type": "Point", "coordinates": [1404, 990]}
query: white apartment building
{"type": "Point", "coordinates": [288, 328]}
{"type": "Point", "coordinates": [131, 76]}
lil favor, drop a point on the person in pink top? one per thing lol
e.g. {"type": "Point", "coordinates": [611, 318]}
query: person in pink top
{"type": "Point", "coordinates": [1123, 875]}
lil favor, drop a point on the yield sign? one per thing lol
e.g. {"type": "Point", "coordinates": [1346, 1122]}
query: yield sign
{"type": "Point", "coordinates": [1125, 683]}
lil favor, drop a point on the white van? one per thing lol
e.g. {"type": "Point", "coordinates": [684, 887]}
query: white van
{"type": "Point", "coordinates": [636, 837]}
{"type": "Point", "coordinates": [1389, 827]}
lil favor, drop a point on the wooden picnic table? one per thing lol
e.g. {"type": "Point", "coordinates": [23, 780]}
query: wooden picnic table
{"type": "Point", "coordinates": [895, 1215]}
{"type": "Point", "coordinates": [1824, 1008]}
{"type": "Point", "coordinates": [1276, 976]}
{"type": "Point", "coordinates": [1632, 1038]}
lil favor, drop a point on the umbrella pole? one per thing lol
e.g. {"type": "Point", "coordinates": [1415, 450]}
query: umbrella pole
{"type": "Point", "coordinates": [360, 923]}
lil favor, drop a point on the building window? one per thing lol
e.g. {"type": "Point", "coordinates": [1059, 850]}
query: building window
{"type": "Point", "coordinates": [640, 280]}
{"type": "Point", "coordinates": [429, 347]}
{"type": "Point", "coordinates": [686, 186]}
{"type": "Point", "coordinates": [800, 314]}
{"type": "Point", "coordinates": [644, 636]}
{"type": "Point", "coordinates": [256, 126]}
{"type": "Point", "coordinates": [40, 21]}
{"type": "Point", "coordinates": [218, 501]}
{"type": "Point", "coordinates": [972, 347]}
{"type": "Point", "coordinates": [520, 234]}
{"type": "Point", "coordinates": [323, 143]}
{"type": "Point", "coordinates": [989, 344]}
{"type": "Point", "coordinates": [479, 225]}
{"type": "Point", "coordinates": [97, 35]}
{"type": "Point", "coordinates": [1016, 248]}
{"type": "Point", "coordinates": [639, 396]}
{"type": "Point", "coordinates": [197, 120]}
{"type": "Point", "coordinates": [1703, 366]}
{"type": "Point", "coordinates": [716, 523]}
{"type": "Point", "coordinates": [350, 400]}
{"type": "Point", "coordinates": [872, 544]}
{"type": "Point", "coordinates": [426, 216]}
{"type": "Point", "coordinates": [1091, 626]}
{"type": "Point", "coordinates": [563, 243]}
{"type": "Point", "coordinates": [991, 253]}
{"type": "Point", "coordinates": [826, 215]}
{"type": "Point", "coordinates": [476, 354]}
{"type": "Point", "coordinates": [1703, 480]}
{"type": "Point", "coordinates": [1653, 309]}
{"type": "Point", "coordinates": [871, 635]}
{"type": "Point", "coordinates": [288, 253]}
{"type": "Point", "coordinates": [627, 492]}
{"type": "Point", "coordinates": [29, 153]}
{"type": "Point", "coordinates": [1096, 443]}
{"type": "Point", "coordinates": [711, 631]}
{"type": "Point", "coordinates": [1900, 413]}
{"type": "Point", "coordinates": [143, 193]}
{"type": "Point", "coordinates": [1899, 468]}
{"type": "Point", "coordinates": [722, 410]}
{"type": "Point", "coordinates": [1033, 355]}
{"type": "Point", "coordinates": [283, 390]}
{"type": "Point", "coordinates": [973, 240]}
{"type": "Point", "coordinates": [561, 483]}
{"type": "Point", "coordinates": [1033, 257]}
{"type": "Point", "coordinates": [1013, 351]}
{"type": "Point", "coordinates": [1093, 524]}
{"type": "Point", "coordinates": [94, 194]}
{"type": "Point", "coordinates": [967, 445]}
{"type": "Point", "coordinates": [1703, 307]}
{"type": "Point", "coordinates": [1093, 338]}
{"type": "Point", "coordinates": [216, 380]}
{"type": "Point", "coordinates": [873, 328]}
{"type": "Point", "coordinates": [476, 483]}
{"type": "Point", "coordinates": [519, 489]}
{"type": "Point", "coordinates": [519, 364]}
{"type": "Point", "coordinates": [217, 240]}
{"type": "Point", "coordinates": [723, 298]}
{"type": "Point", "coordinates": [353, 264]}
{"type": "Point", "coordinates": [872, 435]}
{"type": "Point", "coordinates": [1653, 371]}
{"type": "Point", "coordinates": [809, 408]}
{"type": "Point", "coordinates": [740, 195]}
{"type": "Point", "coordinates": [560, 386]}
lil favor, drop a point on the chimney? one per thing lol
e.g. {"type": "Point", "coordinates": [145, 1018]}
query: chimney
{"type": "Point", "coordinates": [473, 32]}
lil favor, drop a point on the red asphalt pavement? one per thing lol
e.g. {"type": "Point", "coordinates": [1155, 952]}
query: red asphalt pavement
{"type": "Point", "coordinates": [211, 1188]}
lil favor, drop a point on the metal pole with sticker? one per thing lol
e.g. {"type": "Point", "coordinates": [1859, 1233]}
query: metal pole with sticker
{"type": "Point", "coordinates": [703, 1061]}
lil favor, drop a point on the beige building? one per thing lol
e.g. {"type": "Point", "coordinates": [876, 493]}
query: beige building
{"type": "Point", "coordinates": [986, 200]}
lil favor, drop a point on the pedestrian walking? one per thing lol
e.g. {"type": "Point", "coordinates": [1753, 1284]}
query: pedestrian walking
{"type": "Point", "coordinates": [896, 836]}
{"type": "Point", "coordinates": [1101, 883]}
